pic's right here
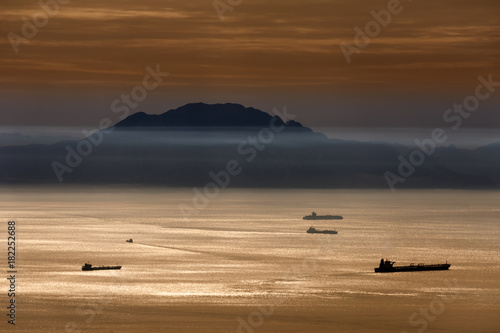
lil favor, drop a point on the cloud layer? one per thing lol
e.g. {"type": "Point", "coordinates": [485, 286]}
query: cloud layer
{"type": "Point", "coordinates": [261, 46]}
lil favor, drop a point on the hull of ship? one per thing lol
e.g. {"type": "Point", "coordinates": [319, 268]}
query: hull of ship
{"type": "Point", "coordinates": [413, 268]}
{"type": "Point", "coordinates": [323, 232]}
{"type": "Point", "coordinates": [322, 218]}
{"type": "Point", "coordinates": [101, 268]}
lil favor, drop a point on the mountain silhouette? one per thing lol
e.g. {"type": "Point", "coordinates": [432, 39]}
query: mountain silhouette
{"type": "Point", "coordinates": [200, 115]}
{"type": "Point", "coordinates": [187, 146]}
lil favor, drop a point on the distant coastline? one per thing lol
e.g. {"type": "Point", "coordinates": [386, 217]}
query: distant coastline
{"type": "Point", "coordinates": [181, 147]}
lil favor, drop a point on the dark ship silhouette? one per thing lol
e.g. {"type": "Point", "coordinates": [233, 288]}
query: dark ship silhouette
{"type": "Point", "coordinates": [387, 266]}
{"type": "Point", "coordinates": [89, 267]}
{"type": "Point", "coordinates": [312, 230]}
{"type": "Point", "coordinates": [314, 216]}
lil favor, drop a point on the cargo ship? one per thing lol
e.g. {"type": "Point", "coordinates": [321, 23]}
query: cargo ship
{"type": "Point", "coordinates": [387, 266]}
{"type": "Point", "coordinates": [314, 216]}
{"type": "Point", "coordinates": [312, 230]}
{"type": "Point", "coordinates": [89, 267]}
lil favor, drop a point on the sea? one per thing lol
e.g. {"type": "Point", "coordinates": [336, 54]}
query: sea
{"type": "Point", "coordinates": [240, 260]}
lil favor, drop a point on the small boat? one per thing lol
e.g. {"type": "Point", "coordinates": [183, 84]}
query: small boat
{"type": "Point", "coordinates": [387, 266]}
{"type": "Point", "coordinates": [89, 267]}
{"type": "Point", "coordinates": [130, 240]}
{"type": "Point", "coordinates": [314, 216]}
{"type": "Point", "coordinates": [312, 230]}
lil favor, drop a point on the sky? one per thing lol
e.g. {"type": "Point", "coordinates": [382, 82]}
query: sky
{"type": "Point", "coordinates": [263, 54]}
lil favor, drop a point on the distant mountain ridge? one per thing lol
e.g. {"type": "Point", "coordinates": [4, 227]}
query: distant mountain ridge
{"type": "Point", "coordinates": [181, 147]}
{"type": "Point", "coordinates": [201, 115]}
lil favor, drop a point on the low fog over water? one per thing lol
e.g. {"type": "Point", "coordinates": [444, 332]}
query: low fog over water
{"type": "Point", "coordinates": [468, 138]}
